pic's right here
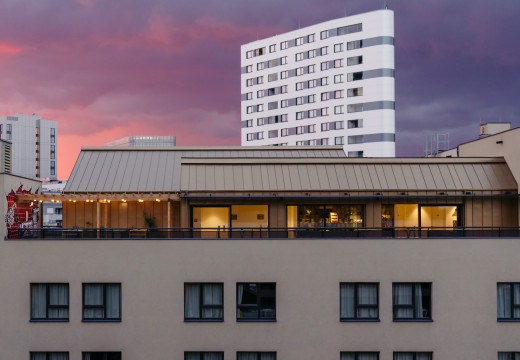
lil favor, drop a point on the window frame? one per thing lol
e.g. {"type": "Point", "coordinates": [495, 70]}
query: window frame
{"type": "Point", "coordinates": [201, 304]}
{"type": "Point", "coordinates": [257, 305]}
{"type": "Point", "coordinates": [512, 305]}
{"type": "Point", "coordinates": [103, 306]}
{"type": "Point", "coordinates": [357, 353]}
{"type": "Point", "coordinates": [105, 353]}
{"type": "Point", "coordinates": [358, 306]}
{"type": "Point", "coordinates": [414, 353]}
{"type": "Point", "coordinates": [413, 305]}
{"type": "Point", "coordinates": [258, 353]}
{"type": "Point", "coordinates": [48, 306]}
{"type": "Point", "coordinates": [202, 354]}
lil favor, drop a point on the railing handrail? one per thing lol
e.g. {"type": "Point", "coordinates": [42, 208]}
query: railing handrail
{"type": "Point", "coordinates": [263, 232]}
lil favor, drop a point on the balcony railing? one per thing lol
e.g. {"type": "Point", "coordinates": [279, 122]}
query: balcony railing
{"type": "Point", "coordinates": [263, 233]}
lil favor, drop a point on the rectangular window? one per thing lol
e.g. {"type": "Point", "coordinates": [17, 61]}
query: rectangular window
{"type": "Point", "coordinates": [249, 82]}
{"type": "Point", "coordinates": [203, 355]}
{"type": "Point", "coordinates": [352, 108]}
{"type": "Point", "coordinates": [248, 355]}
{"type": "Point", "coordinates": [203, 302]}
{"type": "Point", "coordinates": [412, 301]}
{"type": "Point", "coordinates": [311, 54]}
{"type": "Point", "coordinates": [272, 48]}
{"type": "Point", "coordinates": [47, 355]}
{"type": "Point", "coordinates": [324, 96]}
{"type": "Point", "coordinates": [53, 135]}
{"type": "Point", "coordinates": [311, 99]}
{"type": "Point", "coordinates": [509, 355]}
{"type": "Point", "coordinates": [311, 38]}
{"type": "Point", "coordinates": [355, 60]}
{"type": "Point", "coordinates": [324, 50]}
{"type": "Point", "coordinates": [249, 54]}
{"type": "Point", "coordinates": [9, 132]}
{"type": "Point", "coordinates": [508, 301]}
{"type": "Point", "coordinates": [299, 86]}
{"type": "Point", "coordinates": [272, 77]}
{"type": "Point", "coordinates": [324, 81]}
{"type": "Point", "coordinates": [351, 45]}
{"type": "Point", "coordinates": [53, 167]}
{"type": "Point", "coordinates": [338, 48]}
{"type": "Point", "coordinates": [399, 355]}
{"type": "Point", "coordinates": [355, 76]}
{"type": "Point", "coordinates": [284, 45]}
{"type": "Point", "coordinates": [324, 34]}
{"type": "Point", "coordinates": [299, 115]}
{"type": "Point", "coordinates": [273, 134]}
{"type": "Point", "coordinates": [350, 29]}
{"type": "Point", "coordinates": [325, 216]}
{"type": "Point", "coordinates": [104, 355]}
{"type": "Point", "coordinates": [249, 96]}
{"type": "Point", "coordinates": [299, 71]}
{"type": "Point", "coordinates": [339, 140]}
{"type": "Point", "coordinates": [101, 302]}
{"type": "Point", "coordinates": [284, 103]}
{"type": "Point", "coordinates": [324, 65]}
{"type": "Point", "coordinates": [49, 302]}
{"type": "Point", "coordinates": [359, 355]}
{"type": "Point", "coordinates": [283, 60]}
{"type": "Point", "coordinates": [249, 68]}
{"type": "Point", "coordinates": [272, 105]}
{"type": "Point", "coordinates": [311, 69]}
{"type": "Point", "coordinates": [338, 63]}
{"type": "Point", "coordinates": [249, 123]}
{"type": "Point", "coordinates": [355, 92]}
{"type": "Point", "coordinates": [338, 79]}
{"type": "Point", "coordinates": [359, 301]}
{"type": "Point", "coordinates": [338, 94]}
{"type": "Point", "coordinates": [299, 41]}
{"type": "Point", "coordinates": [311, 84]}
{"type": "Point", "coordinates": [338, 109]}
{"type": "Point", "coordinates": [284, 74]}
{"type": "Point", "coordinates": [299, 56]}
{"type": "Point", "coordinates": [260, 66]}
{"type": "Point", "coordinates": [256, 301]}
{"type": "Point", "coordinates": [353, 124]}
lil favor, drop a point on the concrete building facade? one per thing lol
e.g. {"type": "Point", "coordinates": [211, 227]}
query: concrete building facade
{"type": "Point", "coordinates": [34, 145]}
{"type": "Point", "coordinates": [326, 84]}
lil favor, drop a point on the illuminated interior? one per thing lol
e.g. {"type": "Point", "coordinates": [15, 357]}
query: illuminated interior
{"type": "Point", "coordinates": [333, 216]}
{"type": "Point", "coordinates": [211, 217]}
{"type": "Point", "coordinates": [407, 215]}
{"type": "Point", "coordinates": [249, 216]}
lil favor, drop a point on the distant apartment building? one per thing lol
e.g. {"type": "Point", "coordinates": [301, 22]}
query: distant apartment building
{"type": "Point", "coordinates": [143, 142]}
{"type": "Point", "coordinates": [52, 211]}
{"type": "Point", "coordinates": [326, 84]}
{"type": "Point", "coordinates": [34, 145]}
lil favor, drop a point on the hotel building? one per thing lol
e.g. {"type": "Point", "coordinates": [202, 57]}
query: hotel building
{"type": "Point", "coordinates": [325, 84]}
{"type": "Point", "coordinates": [266, 253]}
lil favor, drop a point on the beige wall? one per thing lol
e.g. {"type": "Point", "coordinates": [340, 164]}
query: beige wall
{"type": "Point", "coordinates": [463, 272]}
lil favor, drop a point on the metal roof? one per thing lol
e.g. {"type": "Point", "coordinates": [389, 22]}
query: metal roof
{"type": "Point", "coordinates": [211, 175]}
{"type": "Point", "coordinates": [159, 170]}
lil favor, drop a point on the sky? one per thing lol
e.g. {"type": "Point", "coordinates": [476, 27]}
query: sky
{"type": "Point", "coordinates": [105, 69]}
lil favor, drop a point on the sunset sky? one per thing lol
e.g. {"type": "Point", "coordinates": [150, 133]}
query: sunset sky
{"type": "Point", "coordinates": [105, 69]}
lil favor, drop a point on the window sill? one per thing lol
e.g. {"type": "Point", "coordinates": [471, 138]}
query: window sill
{"type": "Point", "coordinates": [412, 320]}
{"type": "Point", "coordinates": [48, 320]}
{"type": "Point", "coordinates": [102, 320]}
{"type": "Point", "coordinates": [508, 320]}
{"type": "Point", "coordinates": [256, 320]}
{"type": "Point", "coordinates": [359, 320]}
{"type": "Point", "coordinates": [203, 320]}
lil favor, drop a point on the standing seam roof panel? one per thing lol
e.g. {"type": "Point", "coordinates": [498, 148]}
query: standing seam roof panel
{"type": "Point", "coordinates": [428, 177]}
{"type": "Point", "coordinates": [304, 177]}
{"type": "Point", "coordinates": [350, 173]}
{"type": "Point", "coordinates": [463, 177]}
{"type": "Point", "coordinates": [322, 175]}
{"type": "Point", "coordinates": [418, 177]}
{"type": "Point", "coordinates": [455, 177]}
{"type": "Point", "coordinates": [343, 183]}
{"type": "Point", "coordinates": [390, 176]}
{"type": "Point", "coordinates": [112, 171]}
{"type": "Point", "coordinates": [366, 177]}
{"type": "Point", "coordinates": [479, 170]}
{"type": "Point", "coordinates": [473, 178]}
{"type": "Point", "coordinates": [333, 177]}
{"type": "Point", "coordinates": [437, 177]}
{"type": "Point", "coordinates": [136, 173]}
{"type": "Point", "coordinates": [374, 176]}
{"type": "Point", "coordinates": [446, 175]}
{"type": "Point", "coordinates": [89, 169]}
{"type": "Point", "coordinates": [144, 179]}
{"type": "Point", "coordinates": [98, 183]}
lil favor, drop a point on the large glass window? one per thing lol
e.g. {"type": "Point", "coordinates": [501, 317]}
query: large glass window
{"type": "Point", "coordinates": [412, 301]}
{"type": "Point", "coordinates": [49, 302]}
{"type": "Point", "coordinates": [359, 301]}
{"type": "Point", "coordinates": [203, 301]}
{"type": "Point", "coordinates": [508, 301]}
{"type": "Point", "coordinates": [256, 301]}
{"type": "Point", "coordinates": [101, 302]}
{"type": "Point", "coordinates": [415, 215]}
{"type": "Point", "coordinates": [332, 216]}
{"type": "Point", "coordinates": [439, 216]}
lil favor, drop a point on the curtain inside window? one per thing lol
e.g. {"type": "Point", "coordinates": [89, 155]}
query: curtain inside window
{"type": "Point", "coordinates": [419, 313]}
{"type": "Point", "coordinates": [247, 356]}
{"type": "Point", "coordinates": [191, 301]}
{"type": "Point", "coordinates": [516, 301]}
{"type": "Point", "coordinates": [192, 356]}
{"type": "Point", "coordinates": [367, 356]}
{"type": "Point", "coordinates": [503, 300]}
{"type": "Point", "coordinates": [213, 356]}
{"type": "Point", "coordinates": [212, 295]}
{"type": "Point", "coordinates": [403, 356]}
{"type": "Point", "coordinates": [93, 295]}
{"type": "Point", "coordinates": [505, 356]}
{"type": "Point", "coordinates": [113, 297]}
{"type": "Point", "coordinates": [38, 301]}
{"type": "Point", "coordinates": [367, 295]}
{"type": "Point", "coordinates": [240, 293]}
{"type": "Point", "coordinates": [58, 295]}
{"type": "Point", "coordinates": [348, 356]}
{"type": "Point", "coordinates": [268, 356]}
{"type": "Point", "coordinates": [59, 356]}
{"type": "Point", "coordinates": [347, 301]}
{"type": "Point", "coordinates": [43, 356]}
{"type": "Point", "coordinates": [403, 296]}
{"type": "Point", "coordinates": [423, 356]}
